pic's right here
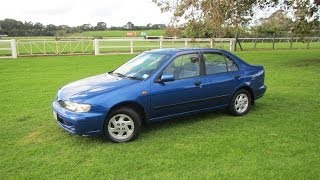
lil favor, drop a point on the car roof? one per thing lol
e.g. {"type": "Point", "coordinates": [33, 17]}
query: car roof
{"type": "Point", "coordinates": [173, 51]}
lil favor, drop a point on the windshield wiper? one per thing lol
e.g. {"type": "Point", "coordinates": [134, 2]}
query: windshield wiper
{"type": "Point", "coordinates": [117, 74]}
{"type": "Point", "coordinates": [122, 75]}
{"type": "Point", "coordinates": [133, 77]}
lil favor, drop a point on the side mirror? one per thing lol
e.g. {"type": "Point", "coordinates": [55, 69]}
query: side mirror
{"type": "Point", "coordinates": [167, 77]}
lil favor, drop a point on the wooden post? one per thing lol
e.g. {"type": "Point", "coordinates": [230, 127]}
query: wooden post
{"type": "Point", "coordinates": [82, 45]}
{"type": "Point", "coordinates": [44, 47]}
{"type": "Point", "coordinates": [291, 42]}
{"type": "Point", "coordinates": [160, 43]}
{"type": "Point", "coordinates": [308, 42]}
{"type": "Point", "coordinates": [70, 51]}
{"type": "Point", "coordinates": [232, 45]}
{"type": "Point", "coordinates": [96, 47]}
{"type": "Point", "coordinates": [57, 50]}
{"type": "Point", "coordinates": [30, 47]}
{"type": "Point", "coordinates": [131, 46]}
{"type": "Point", "coordinates": [255, 43]}
{"type": "Point", "coordinates": [13, 49]}
{"type": "Point", "coordinates": [273, 40]}
{"type": "Point", "coordinates": [18, 52]}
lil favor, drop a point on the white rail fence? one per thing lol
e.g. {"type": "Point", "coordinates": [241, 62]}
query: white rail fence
{"type": "Point", "coordinates": [53, 47]}
{"type": "Point", "coordinates": [106, 46]}
{"type": "Point", "coordinates": [41, 47]}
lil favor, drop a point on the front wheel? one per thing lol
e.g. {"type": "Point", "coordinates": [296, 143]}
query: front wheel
{"type": "Point", "coordinates": [122, 125]}
{"type": "Point", "coordinates": [241, 103]}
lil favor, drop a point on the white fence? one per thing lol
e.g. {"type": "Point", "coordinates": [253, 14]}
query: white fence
{"type": "Point", "coordinates": [41, 47]}
{"type": "Point", "coordinates": [29, 47]}
{"type": "Point", "coordinates": [8, 49]}
{"type": "Point", "coordinates": [107, 46]}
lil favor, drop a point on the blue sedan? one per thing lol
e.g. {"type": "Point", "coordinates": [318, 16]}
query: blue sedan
{"type": "Point", "coordinates": [158, 85]}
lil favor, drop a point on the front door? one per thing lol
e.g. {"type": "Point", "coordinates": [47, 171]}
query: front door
{"type": "Point", "coordinates": [182, 94]}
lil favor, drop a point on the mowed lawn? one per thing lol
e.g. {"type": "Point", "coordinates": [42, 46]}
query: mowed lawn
{"type": "Point", "coordinates": [279, 138]}
{"type": "Point", "coordinates": [120, 33]}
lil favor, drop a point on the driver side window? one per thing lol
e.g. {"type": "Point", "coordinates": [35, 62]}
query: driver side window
{"type": "Point", "coordinates": [185, 66]}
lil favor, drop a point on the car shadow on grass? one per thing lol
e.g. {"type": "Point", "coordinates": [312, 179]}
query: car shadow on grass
{"type": "Point", "coordinates": [175, 123]}
{"type": "Point", "coordinates": [184, 120]}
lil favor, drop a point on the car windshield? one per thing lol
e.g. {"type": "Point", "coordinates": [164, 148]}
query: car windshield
{"type": "Point", "coordinates": [141, 66]}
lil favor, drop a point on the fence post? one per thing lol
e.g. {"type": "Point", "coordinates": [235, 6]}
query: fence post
{"type": "Point", "coordinates": [273, 40]}
{"type": "Point", "coordinates": [211, 43]}
{"type": "Point", "coordinates": [131, 46]}
{"type": "Point", "coordinates": [13, 48]}
{"type": "Point", "coordinates": [255, 43]}
{"type": "Point", "coordinates": [44, 47]}
{"type": "Point", "coordinates": [18, 53]}
{"type": "Point", "coordinates": [96, 47]}
{"type": "Point", "coordinates": [30, 47]}
{"type": "Point", "coordinates": [185, 43]}
{"type": "Point", "coordinates": [57, 48]}
{"type": "Point", "coordinates": [291, 42]}
{"type": "Point", "coordinates": [308, 42]}
{"type": "Point", "coordinates": [232, 45]}
{"type": "Point", "coordinates": [160, 43]}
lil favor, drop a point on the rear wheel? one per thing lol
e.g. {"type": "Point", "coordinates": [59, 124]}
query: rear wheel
{"type": "Point", "coordinates": [241, 103]}
{"type": "Point", "coordinates": [122, 125]}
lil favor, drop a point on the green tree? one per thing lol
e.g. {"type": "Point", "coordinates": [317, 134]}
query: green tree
{"type": "Point", "coordinates": [214, 16]}
{"type": "Point", "coordinates": [101, 26]}
{"type": "Point", "coordinates": [171, 31]}
{"type": "Point", "coordinates": [307, 16]}
{"type": "Point", "coordinates": [277, 23]}
{"type": "Point", "coordinates": [217, 16]}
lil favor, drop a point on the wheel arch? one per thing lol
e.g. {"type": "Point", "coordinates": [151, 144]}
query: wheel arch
{"type": "Point", "coordinates": [249, 89]}
{"type": "Point", "coordinates": [133, 105]}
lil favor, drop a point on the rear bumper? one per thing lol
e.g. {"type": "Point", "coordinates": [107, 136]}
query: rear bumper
{"type": "Point", "coordinates": [260, 91]}
{"type": "Point", "coordinates": [89, 123]}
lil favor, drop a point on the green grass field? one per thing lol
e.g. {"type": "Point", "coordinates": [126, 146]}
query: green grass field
{"type": "Point", "coordinates": [278, 139]}
{"type": "Point", "coordinates": [119, 33]}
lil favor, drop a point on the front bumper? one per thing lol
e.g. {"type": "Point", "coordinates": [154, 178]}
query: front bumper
{"type": "Point", "coordinates": [89, 123]}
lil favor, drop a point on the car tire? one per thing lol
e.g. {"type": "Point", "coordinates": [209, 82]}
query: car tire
{"type": "Point", "coordinates": [122, 125]}
{"type": "Point", "coordinates": [240, 103]}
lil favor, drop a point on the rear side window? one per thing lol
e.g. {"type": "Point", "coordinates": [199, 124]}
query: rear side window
{"type": "Point", "coordinates": [231, 65]}
{"type": "Point", "coordinates": [217, 63]}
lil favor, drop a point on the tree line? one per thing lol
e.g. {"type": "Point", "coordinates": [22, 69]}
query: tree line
{"type": "Point", "coordinates": [12, 27]}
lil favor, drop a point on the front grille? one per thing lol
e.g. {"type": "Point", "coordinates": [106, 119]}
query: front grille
{"type": "Point", "coordinates": [60, 120]}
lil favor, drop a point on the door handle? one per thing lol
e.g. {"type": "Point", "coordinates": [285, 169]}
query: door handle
{"type": "Point", "coordinates": [237, 76]}
{"type": "Point", "coordinates": [198, 83]}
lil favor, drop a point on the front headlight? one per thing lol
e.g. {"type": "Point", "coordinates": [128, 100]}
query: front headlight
{"type": "Point", "coordinates": [75, 107]}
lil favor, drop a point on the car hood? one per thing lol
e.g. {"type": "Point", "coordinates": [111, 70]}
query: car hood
{"type": "Point", "coordinates": [93, 85]}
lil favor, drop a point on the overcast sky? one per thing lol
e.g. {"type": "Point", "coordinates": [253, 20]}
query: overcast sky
{"type": "Point", "coordinates": [78, 12]}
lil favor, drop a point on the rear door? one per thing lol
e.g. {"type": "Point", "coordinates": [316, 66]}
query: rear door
{"type": "Point", "coordinates": [222, 74]}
